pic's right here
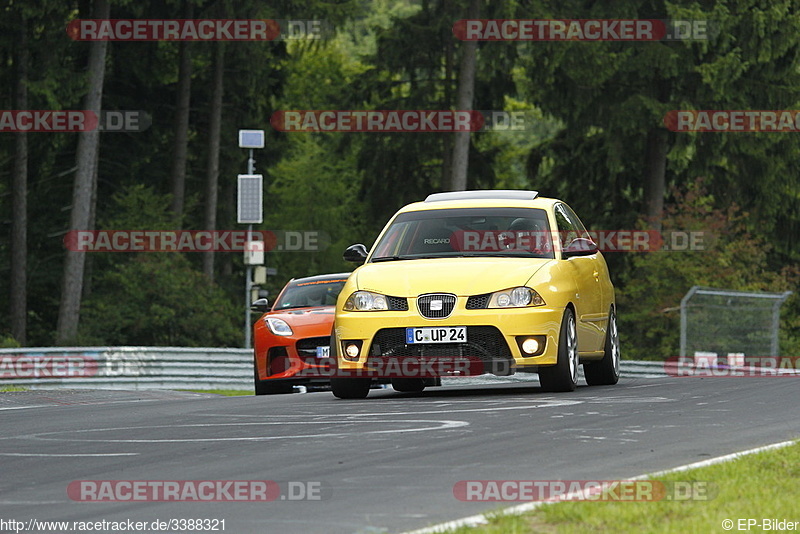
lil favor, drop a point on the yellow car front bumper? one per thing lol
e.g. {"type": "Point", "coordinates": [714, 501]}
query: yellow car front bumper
{"type": "Point", "coordinates": [491, 333]}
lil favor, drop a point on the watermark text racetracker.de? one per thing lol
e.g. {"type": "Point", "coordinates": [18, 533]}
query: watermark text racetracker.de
{"type": "Point", "coordinates": [539, 241]}
{"type": "Point", "coordinates": [710, 365]}
{"type": "Point", "coordinates": [407, 120]}
{"type": "Point", "coordinates": [733, 121]}
{"type": "Point", "coordinates": [402, 367]}
{"type": "Point", "coordinates": [195, 240]}
{"type": "Point", "coordinates": [542, 241]}
{"type": "Point", "coordinates": [582, 30]}
{"type": "Point", "coordinates": [202, 30]}
{"type": "Point", "coordinates": [583, 490]}
{"type": "Point", "coordinates": [381, 121]}
{"type": "Point", "coordinates": [197, 490]}
{"type": "Point", "coordinates": [73, 121]}
{"type": "Point", "coordinates": [47, 365]}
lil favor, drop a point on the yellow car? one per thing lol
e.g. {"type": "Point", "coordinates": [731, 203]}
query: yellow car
{"type": "Point", "coordinates": [474, 282]}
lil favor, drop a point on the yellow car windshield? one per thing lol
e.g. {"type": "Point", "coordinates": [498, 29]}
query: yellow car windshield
{"type": "Point", "coordinates": [467, 232]}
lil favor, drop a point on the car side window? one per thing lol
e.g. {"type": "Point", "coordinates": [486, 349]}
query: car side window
{"type": "Point", "coordinates": [567, 231]}
{"type": "Point", "coordinates": [575, 221]}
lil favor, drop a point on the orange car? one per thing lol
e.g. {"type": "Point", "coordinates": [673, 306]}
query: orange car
{"type": "Point", "coordinates": [292, 339]}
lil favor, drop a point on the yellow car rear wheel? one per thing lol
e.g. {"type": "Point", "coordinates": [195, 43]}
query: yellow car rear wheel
{"type": "Point", "coordinates": [606, 371]}
{"type": "Point", "coordinates": [408, 385]}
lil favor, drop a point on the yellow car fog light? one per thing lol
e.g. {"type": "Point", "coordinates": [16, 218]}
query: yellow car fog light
{"type": "Point", "coordinates": [352, 350]}
{"type": "Point", "coordinates": [531, 345]}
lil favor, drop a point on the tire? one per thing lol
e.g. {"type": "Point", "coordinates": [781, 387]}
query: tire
{"type": "Point", "coordinates": [408, 385]}
{"type": "Point", "coordinates": [563, 376]}
{"type": "Point", "coordinates": [270, 387]}
{"type": "Point", "coordinates": [606, 371]}
{"type": "Point", "coordinates": [350, 388]}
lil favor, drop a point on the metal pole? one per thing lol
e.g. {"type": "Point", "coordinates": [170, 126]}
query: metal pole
{"type": "Point", "coordinates": [248, 281]}
{"type": "Point", "coordinates": [248, 285]}
{"type": "Point", "coordinates": [776, 323]}
{"type": "Point", "coordinates": [685, 319]}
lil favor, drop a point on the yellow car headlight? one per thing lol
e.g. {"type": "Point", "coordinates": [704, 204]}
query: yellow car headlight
{"type": "Point", "coordinates": [517, 297]}
{"type": "Point", "coordinates": [366, 301]}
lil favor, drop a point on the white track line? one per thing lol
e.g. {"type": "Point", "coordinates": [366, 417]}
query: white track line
{"type": "Point", "coordinates": [67, 455]}
{"type": "Point", "coordinates": [481, 519]}
{"type": "Point", "coordinates": [80, 403]}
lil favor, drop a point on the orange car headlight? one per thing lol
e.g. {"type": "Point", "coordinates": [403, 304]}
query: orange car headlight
{"type": "Point", "coordinates": [279, 327]}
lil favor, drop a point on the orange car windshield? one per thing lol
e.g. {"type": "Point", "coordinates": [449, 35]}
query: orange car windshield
{"type": "Point", "coordinates": [309, 294]}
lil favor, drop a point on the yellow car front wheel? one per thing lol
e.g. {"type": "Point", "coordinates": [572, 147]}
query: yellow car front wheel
{"type": "Point", "coordinates": [563, 376]}
{"type": "Point", "coordinates": [350, 388]}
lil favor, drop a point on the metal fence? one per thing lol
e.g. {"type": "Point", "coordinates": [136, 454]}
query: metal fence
{"type": "Point", "coordinates": [730, 323]}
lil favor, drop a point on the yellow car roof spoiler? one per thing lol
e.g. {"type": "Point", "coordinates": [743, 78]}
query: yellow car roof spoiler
{"type": "Point", "coordinates": [505, 194]}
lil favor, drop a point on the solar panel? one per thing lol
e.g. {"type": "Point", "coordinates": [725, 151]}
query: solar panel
{"type": "Point", "coordinates": [251, 199]}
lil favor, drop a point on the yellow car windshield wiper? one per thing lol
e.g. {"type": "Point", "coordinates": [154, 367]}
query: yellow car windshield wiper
{"type": "Point", "coordinates": [417, 257]}
{"type": "Point", "coordinates": [391, 258]}
{"type": "Point", "coordinates": [520, 254]}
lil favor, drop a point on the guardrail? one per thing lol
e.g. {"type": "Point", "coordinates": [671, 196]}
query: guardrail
{"type": "Point", "coordinates": [160, 368]}
{"type": "Point", "coordinates": [641, 369]}
{"type": "Point", "coordinates": [127, 368]}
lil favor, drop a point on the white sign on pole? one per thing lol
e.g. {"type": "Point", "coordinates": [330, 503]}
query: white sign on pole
{"type": "Point", "coordinates": [251, 138]}
{"type": "Point", "coordinates": [254, 253]}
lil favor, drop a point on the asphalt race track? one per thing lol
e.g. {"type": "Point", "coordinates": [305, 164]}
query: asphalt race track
{"type": "Point", "coordinates": [384, 464]}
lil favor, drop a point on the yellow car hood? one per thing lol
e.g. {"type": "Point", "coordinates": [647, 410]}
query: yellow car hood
{"type": "Point", "coordinates": [460, 276]}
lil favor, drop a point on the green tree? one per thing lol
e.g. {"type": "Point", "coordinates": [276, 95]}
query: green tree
{"type": "Point", "coordinates": [314, 186]}
{"type": "Point", "coordinates": [650, 292]}
{"type": "Point", "coordinates": [154, 298]}
{"type": "Point", "coordinates": [83, 197]}
{"type": "Point", "coordinates": [414, 67]}
{"type": "Point", "coordinates": [612, 98]}
{"type": "Point", "coordinates": [35, 78]}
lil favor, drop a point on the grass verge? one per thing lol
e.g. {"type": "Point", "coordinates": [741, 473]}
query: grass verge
{"type": "Point", "coordinates": [11, 389]}
{"type": "Point", "coordinates": [758, 486]}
